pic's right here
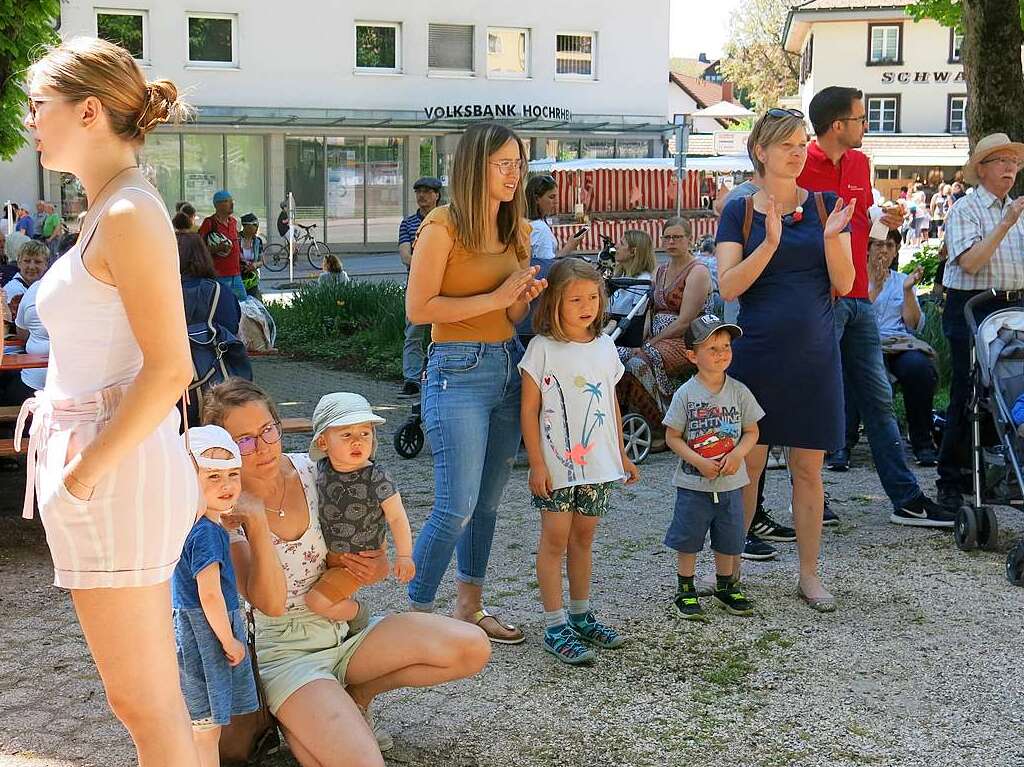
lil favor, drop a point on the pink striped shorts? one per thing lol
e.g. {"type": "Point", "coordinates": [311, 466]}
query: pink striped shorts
{"type": "Point", "coordinates": [131, 531]}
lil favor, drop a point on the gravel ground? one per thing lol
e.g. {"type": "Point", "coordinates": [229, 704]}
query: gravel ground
{"type": "Point", "coordinates": [915, 668]}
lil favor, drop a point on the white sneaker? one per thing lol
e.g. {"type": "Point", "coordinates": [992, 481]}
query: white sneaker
{"type": "Point", "coordinates": [384, 740]}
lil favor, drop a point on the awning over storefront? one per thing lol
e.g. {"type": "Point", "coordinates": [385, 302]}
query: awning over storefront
{"type": "Point", "coordinates": [917, 150]}
{"type": "Point", "coordinates": [412, 119]}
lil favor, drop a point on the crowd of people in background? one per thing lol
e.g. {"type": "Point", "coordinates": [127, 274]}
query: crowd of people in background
{"type": "Point", "coordinates": [817, 318]}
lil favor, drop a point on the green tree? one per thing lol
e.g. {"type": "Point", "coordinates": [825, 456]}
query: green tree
{"type": "Point", "coordinates": [754, 58]}
{"type": "Point", "coordinates": [990, 52]}
{"type": "Point", "coordinates": [25, 27]}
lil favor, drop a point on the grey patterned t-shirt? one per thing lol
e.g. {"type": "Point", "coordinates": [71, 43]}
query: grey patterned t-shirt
{"type": "Point", "coordinates": [350, 513]}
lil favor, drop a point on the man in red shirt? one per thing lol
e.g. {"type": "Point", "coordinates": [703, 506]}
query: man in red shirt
{"type": "Point", "coordinates": [226, 249]}
{"type": "Point", "coordinates": [834, 165]}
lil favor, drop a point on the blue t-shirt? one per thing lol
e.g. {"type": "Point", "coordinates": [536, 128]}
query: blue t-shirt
{"type": "Point", "coordinates": [206, 543]}
{"type": "Point", "coordinates": [26, 225]}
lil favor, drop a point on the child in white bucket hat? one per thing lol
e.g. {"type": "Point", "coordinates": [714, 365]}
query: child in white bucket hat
{"type": "Point", "coordinates": [357, 497]}
{"type": "Point", "coordinates": [209, 623]}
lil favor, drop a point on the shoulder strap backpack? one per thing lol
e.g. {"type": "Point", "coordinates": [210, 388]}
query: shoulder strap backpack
{"type": "Point", "coordinates": [217, 353]}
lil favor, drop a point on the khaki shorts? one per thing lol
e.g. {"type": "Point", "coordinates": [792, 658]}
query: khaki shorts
{"type": "Point", "coordinates": [300, 647]}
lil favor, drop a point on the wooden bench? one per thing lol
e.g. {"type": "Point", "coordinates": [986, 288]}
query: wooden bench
{"type": "Point", "coordinates": [9, 413]}
{"type": "Point", "coordinates": [7, 448]}
{"type": "Point", "coordinates": [296, 426]}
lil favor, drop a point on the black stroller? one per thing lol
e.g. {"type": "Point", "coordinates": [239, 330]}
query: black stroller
{"type": "Point", "coordinates": [997, 358]}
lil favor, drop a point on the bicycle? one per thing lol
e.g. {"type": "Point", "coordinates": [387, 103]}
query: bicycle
{"type": "Point", "coordinates": [275, 257]}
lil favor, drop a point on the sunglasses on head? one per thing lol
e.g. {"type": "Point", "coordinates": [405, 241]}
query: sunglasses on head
{"type": "Point", "coordinates": [780, 112]}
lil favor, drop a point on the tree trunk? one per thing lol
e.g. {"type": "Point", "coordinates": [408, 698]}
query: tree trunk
{"type": "Point", "coordinates": [991, 54]}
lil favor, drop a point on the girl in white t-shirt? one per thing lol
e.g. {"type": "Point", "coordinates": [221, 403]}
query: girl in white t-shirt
{"type": "Point", "coordinates": [572, 429]}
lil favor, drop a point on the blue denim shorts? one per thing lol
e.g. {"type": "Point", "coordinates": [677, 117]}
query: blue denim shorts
{"type": "Point", "coordinates": [213, 690]}
{"type": "Point", "coordinates": [696, 512]}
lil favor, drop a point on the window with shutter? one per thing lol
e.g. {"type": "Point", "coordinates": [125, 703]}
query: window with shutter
{"type": "Point", "coordinates": [574, 55]}
{"type": "Point", "coordinates": [450, 47]}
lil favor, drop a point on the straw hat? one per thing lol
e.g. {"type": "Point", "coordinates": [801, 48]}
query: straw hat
{"type": "Point", "coordinates": [990, 144]}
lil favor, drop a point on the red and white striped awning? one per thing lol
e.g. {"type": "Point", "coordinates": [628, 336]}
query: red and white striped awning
{"type": "Point", "coordinates": [615, 229]}
{"type": "Point", "coordinates": [608, 190]}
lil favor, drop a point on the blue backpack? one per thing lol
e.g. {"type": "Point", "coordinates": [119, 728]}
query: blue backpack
{"type": "Point", "coordinates": [217, 353]}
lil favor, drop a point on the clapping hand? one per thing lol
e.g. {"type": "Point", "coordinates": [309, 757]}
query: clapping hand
{"type": "Point", "coordinates": [912, 279]}
{"type": "Point", "coordinates": [892, 217]}
{"type": "Point", "coordinates": [839, 218]}
{"type": "Point", "coordinates": [519, 286]}
{"type": "Point", "coordinates": [1013, 211]}
{"type": "Point", "coordinates": [772, 223]}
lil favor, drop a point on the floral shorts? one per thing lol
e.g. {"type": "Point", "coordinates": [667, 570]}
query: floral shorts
{"type": "Point", "coordinates": [586, 500]}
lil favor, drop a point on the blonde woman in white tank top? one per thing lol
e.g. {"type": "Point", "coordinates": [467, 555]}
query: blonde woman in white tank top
{"type": "Point", "coordinates": [117, 492]}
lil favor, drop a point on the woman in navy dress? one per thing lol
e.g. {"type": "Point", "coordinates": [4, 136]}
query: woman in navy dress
{"type": "Point", "coordinates": [785, 275]}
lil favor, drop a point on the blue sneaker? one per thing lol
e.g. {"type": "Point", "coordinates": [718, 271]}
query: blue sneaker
{"type": "Point", "coordinates": [595, 633]}
{"type": "Point", "coordinates": [564, 643]}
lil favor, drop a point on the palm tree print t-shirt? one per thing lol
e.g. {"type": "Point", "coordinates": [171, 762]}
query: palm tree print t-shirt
{"type": "Point", "coordinates": [578, 431]}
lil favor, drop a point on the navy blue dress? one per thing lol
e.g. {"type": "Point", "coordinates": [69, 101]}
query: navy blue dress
{"type": "Point", "coordinates": [788, 355]}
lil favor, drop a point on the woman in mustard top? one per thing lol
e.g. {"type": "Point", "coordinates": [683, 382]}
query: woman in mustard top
{"type": "Point", "coordinates": [471, 280]}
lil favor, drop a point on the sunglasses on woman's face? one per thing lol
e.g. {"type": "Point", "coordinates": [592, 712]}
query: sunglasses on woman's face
{"type": "Point", "coordinates": [270, 435]}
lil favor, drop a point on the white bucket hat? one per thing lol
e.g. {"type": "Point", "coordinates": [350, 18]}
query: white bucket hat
{"type": "Point", "coordinates": [339, 409]}
{"type": "Point", "coordinates": [203, 438]}
{"type": "Point", "coordinates": [990, 144]}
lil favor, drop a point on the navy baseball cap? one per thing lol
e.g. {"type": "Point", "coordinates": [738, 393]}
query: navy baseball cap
{"type": "Point", "coordinates": [705, 326]}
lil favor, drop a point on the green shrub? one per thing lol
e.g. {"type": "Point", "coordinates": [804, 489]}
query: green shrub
{"type": "Point", "coordinates": [359, 324]}
{"type": "Point", "coordinates": [928, 259]}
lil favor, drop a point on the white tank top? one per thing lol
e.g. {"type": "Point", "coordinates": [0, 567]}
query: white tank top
{"type": "Point", "coordinates": [91, 343]}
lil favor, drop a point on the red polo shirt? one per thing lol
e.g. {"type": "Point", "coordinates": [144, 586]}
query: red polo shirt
{"type": "Point", "coordinates": [851, 180]}
{"type": "Point", "coordinates": [228, 265]}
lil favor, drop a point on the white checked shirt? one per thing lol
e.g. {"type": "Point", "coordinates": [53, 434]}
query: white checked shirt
{"type": "Point", "coordinates": [970, 221]}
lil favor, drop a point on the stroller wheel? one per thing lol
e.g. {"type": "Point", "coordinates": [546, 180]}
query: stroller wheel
{"type": "Point", "coordinates": [965, 529]}
{"type": "Point", "coordinates": [409, 439]}
{"type": "Point", "coordinates": [1015, 565]}
{"type": "Point", "coordinates": [637, 437]}
{"type": "Point", "coordinates": [988, 528]}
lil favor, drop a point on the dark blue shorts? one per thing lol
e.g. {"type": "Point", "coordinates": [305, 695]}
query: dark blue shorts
{"type": "Point", "coordinates": [696, 512]}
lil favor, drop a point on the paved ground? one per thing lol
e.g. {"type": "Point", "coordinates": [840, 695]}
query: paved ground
{"type": "Point", "coordinates": [920, 666]}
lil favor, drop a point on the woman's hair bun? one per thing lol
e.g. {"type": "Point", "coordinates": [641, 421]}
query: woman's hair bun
{"type": "Point", "coordinates": [161, 105]}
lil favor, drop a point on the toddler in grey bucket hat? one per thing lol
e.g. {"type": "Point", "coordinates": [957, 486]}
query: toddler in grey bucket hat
{"type": "Point", "coordinates": [339, 409]}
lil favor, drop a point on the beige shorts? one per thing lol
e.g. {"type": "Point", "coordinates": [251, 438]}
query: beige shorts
{"type": "Point", "coordinates": [300, 647]}
{"type": "Point", "coordinates": [131, 531]}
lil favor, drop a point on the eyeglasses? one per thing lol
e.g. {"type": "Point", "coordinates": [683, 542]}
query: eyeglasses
{"type": "Point", "coordinates": [863, 119]}
{"type": "Point", "coordinates": [673, 237]}
{"type": "Point", "coordinates": [270, 435]}
{"type": "Point", "coordinates": [780, 112]}
{"type": "Point", "coordinates": [508, 167]}
{"type": "Point", "coordinates": [35, 101]}
{"type": "Point", "coordinates": [1013, 161]}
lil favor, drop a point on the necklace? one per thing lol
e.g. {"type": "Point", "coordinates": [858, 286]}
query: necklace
{"type": "Point", "coordinates": [109, 181]}
{"type": "Point", "coordinates": [280, 501]}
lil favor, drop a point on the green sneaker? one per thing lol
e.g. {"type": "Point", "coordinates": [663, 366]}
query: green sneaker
{"type": "Point", "coordinates": [564, 643]}
{"type": "Point", "coordinates": [688, 605]}
{"type": "Point", "coordinates": [595, 633]}
{"type": "Point", "coordinates": [733, 601]}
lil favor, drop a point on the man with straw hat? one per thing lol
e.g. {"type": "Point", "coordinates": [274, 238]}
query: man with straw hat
{"type": "Point", "coordinates": [985, 240]}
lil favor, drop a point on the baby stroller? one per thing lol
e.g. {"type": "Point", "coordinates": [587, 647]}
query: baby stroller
{"type": "Point", "coordinates": [628, 307]}
{"type": "Point", "coordinates": [997, 352]}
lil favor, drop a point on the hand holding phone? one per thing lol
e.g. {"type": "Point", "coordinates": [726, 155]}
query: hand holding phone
{"type": "Point", "coordinates": [580, 232]}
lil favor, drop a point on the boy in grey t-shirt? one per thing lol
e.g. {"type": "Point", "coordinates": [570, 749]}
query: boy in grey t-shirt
{"type": "Point", "coordinates": [711, 425]}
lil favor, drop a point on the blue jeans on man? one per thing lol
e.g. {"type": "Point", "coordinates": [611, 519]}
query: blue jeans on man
{"type": "Point", "coordinates": [864, 369]}
{"type": "Point", "coordinates": [234, 284]}
{"type": "Point", "coordinates": [471, 412]}
{"type": "Point", "coordinates": [413, 358]}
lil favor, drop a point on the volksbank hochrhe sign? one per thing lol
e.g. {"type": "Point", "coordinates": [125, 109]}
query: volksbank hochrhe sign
{"type": "Point", "coordinates": [922, 78]}
{"type": "Point", "coordinates": [493, 111]}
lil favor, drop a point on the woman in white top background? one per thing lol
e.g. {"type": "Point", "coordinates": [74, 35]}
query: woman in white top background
{"type": "Point", "coordinates": [117, 491]}
{"type": "Point", "coordinates": [541, 204]}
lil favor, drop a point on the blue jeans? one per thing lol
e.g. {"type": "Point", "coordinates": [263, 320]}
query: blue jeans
{"type": "Point", "coordinates": [234, 284]}
{"type": "Point", "coordinates": [471, 414]}
{"type": "Point", "coordinates": [412, 351]}
{"type": "Point", "coordinates": [869, 389]}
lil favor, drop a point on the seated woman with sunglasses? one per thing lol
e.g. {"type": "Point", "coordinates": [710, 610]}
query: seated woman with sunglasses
{"type": "Point", "coordinates": [784, 263]}
{"type": "Point", "coordinates": [681, 290]}
{"type": "Point", "coordinates": [320, 676]}
{"type": "Point", "coordinates": [542, 203]}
